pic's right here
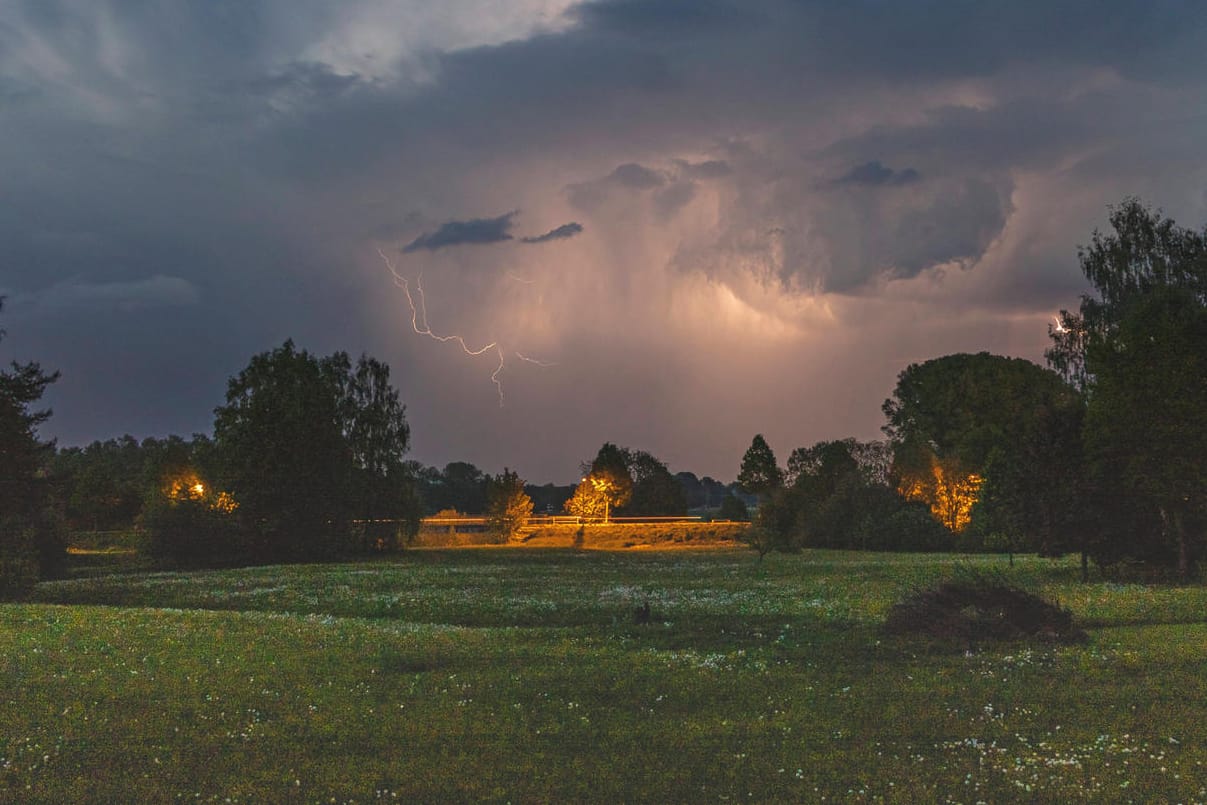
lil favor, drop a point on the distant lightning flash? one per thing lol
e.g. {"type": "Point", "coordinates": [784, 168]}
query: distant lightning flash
{"type": "Point", "coordinates": [545, 364]}
{"type": "Point", "coordinates": [419, 313]}
{"type": "Point", "coordinates": [1060, 328]}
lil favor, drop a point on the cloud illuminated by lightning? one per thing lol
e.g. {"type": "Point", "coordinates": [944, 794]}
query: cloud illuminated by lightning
{"type": "Point", "coordinates": [419, 314]}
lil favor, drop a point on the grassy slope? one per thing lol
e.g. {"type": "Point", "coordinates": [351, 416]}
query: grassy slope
{"type": "Point", "coordinates": [519, 675]}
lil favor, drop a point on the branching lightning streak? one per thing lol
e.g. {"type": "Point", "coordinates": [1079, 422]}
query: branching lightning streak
{"type": "Point", "coordinates": [419, 312]}
{"type": "Point", "coordinates": [545, 364]}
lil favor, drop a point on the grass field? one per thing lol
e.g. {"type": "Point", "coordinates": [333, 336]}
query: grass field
{"type": "Point", "coordinates": [520, 675]}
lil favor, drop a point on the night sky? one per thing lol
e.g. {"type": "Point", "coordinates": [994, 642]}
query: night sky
{"type": "Point", "coordinates": [711, 218]}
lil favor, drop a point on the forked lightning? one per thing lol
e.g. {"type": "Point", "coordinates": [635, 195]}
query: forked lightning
{"type": "Point", "coordinates": [419, 313]}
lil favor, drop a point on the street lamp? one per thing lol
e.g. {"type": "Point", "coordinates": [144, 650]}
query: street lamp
{"type": "Point", "coordinates": [602, 486]}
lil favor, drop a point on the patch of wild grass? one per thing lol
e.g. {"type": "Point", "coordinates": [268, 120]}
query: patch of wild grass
{"type": "Point", "coordinates": [524, 676]}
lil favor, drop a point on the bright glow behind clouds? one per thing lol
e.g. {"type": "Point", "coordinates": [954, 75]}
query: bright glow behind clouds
{"type": "Point", "coordinates": [782, 203]}
{"type": "Point", "coordinates": [387, 40]}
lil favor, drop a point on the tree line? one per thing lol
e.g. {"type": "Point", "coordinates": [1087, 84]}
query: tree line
{"type": "Point", "coordinates": [1102, 453]}
{"type": "Point", "coordinates": [306, 462]}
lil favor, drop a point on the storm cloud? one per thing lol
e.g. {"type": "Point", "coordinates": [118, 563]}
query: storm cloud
{"type": "Point", "coordinates": [875, 174]}
{"type": "Point", "coordinates": [458, 233]}
{"type": "Point", "coordinates": [560, 233]}
{"type": "Point", "coordinates": [805, 194]}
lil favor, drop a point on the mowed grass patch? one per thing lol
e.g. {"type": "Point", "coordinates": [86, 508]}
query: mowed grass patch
{"type": "Point", "coordinates": [521, 676]}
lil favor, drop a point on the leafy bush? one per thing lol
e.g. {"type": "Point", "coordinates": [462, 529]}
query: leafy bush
{"type": "Point", "coordinates": [910, 528]}
{"type": "Point", "coordinates": [191, 533]}
{"type": "Point", "coordinates": [976, 606]}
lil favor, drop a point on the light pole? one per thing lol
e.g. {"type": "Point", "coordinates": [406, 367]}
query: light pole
{"type": "Point", "coordinates": [601, 486]}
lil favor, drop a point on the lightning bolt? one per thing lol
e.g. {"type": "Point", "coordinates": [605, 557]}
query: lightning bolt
{"type": "Point", "coordinates": [545, 364]}
{"type": "Point", "coordinates": [1060, 328]}
{"type": "Point", "coordinates": [419, 313]}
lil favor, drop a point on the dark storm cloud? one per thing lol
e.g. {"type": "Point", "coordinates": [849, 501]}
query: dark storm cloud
{"type": "Point", "coordinates": [666, 18]}
{"type": "Point", "coordinates": [783, 58]}
{"type": "Point", "coordinates": [637, 177]}
{"type": "Point", "coordinates": [564, 231]}
{"type": "Point", "coordinates": [709, 169]}
{"type": "Point", "coordinates": [952, 38]}
{"type": "Point", "coordinates": [873, 173]}
{"type": "Point", "coordinates": [244, 155]}
{"type": "Point", "coordinates": [314, 79]}
{"type": "Point", "coordinates": [630, 177]}
{"type": "Point", "coordinates": [956, 226]}
{"type": "Point", "coordinates": [457, 233]}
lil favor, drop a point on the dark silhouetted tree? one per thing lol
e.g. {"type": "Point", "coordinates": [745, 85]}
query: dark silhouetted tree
{"type": "Point", "coordinates": [373, 421]}
{"type": "Point", "coordinates": [1137, 348]}
{"type": "Point", "coordinates": [307, 444]}
{"type": "Point", "coordinates": [732, 508]}
{"type": "Point", "coordinates": [284, 456]}
{"type": "Point", "coordinates": [759, 473]}
{"type": "Point", "coordinates": [655, 491]}
{"type": "Point", "coordinates": [32, 542]}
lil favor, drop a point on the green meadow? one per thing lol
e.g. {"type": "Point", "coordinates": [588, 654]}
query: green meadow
{"type": "Point", "coordinates": [522, 675]}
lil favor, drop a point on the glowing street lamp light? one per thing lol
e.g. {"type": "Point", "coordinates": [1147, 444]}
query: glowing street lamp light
{"type": "Point", "coordinates": [602, 487]}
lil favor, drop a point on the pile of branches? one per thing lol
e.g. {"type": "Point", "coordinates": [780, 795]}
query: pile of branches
{"type": "Point", "coordinates": [976, 606]}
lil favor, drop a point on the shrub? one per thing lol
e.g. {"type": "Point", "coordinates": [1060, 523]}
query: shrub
{"type": "Point", "coordinates": [191, 533]}
{"type": "Point", "coordinates": [976, 606]}
{"type": "Point", "coordinates": [909, 528]}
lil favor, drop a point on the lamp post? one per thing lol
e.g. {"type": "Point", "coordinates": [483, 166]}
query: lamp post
{"type": "Point", "coordinates": [601, 486]}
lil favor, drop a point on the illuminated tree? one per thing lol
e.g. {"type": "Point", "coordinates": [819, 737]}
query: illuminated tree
{"type": "Point", "coordinates": [606, 485]}
{"type": "Point", "coordinates": [508, 506]}
{"type": "Point", "coordinates": [963, 423]}
{"type": "Point", "coordinates": [594, 498]}
{"type": "Point", "coordinates": [190, 523]}
{"type": "Point", "coordinates": [949, 491]}
{"type": "Point", "coordinates": [585, 503]}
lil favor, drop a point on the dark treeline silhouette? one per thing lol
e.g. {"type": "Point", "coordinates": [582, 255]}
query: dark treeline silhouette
{"type": "Point", "coordinates": [1103, 454]}
{"type": "Point", "coordinates": [654, 490]}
